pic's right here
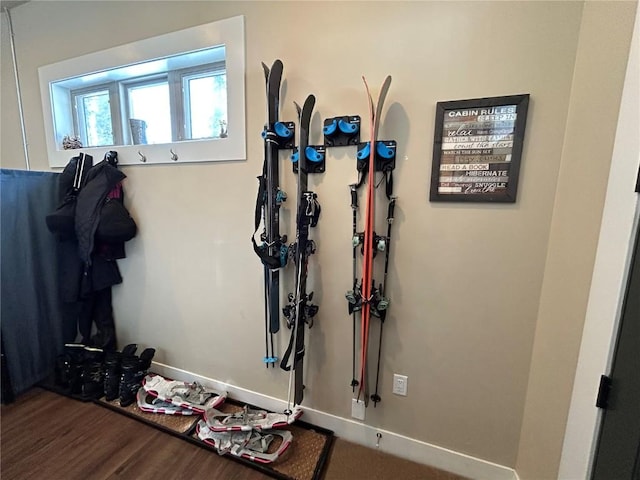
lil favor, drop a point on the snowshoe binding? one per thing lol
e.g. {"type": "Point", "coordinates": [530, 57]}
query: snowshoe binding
{"type": "Point", "coordinates": [193, 396]}
{"type": "Point", "coordinates": [150, 404]}
{"type": "Point", "coordinates": [248, 419]}
{"type": "Point", "coordinates": [252, 445]}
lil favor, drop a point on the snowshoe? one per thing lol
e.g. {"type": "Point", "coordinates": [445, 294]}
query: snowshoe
{"type": "Point", "coordinates": [248, 419]}
{"type": "Point", "coordinates": [252, 445]}
{"type": "Point", "coordinates": [193, 396]}
{"type": "Point", "coordinates": [150, 404]}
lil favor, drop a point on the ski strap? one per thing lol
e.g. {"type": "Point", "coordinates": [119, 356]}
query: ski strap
{"type": "Point", "coordinates": [287, 354]}
{"type": "Point", "coordinates": [388, 179]}
{"type": "Point", "coordinates": [279, 259]}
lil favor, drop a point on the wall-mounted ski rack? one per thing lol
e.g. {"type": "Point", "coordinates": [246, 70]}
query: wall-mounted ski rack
{"type": "Point", "coordinates": [315, 155]}
{"type": "Point", "coordinates": [285, 134]}
{"type": "Point", "coordinates": [341, 131]}
{"type": "Point", "coordinates": [385, 156]}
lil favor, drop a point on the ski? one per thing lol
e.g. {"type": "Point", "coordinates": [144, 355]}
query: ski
{"type": "Point", "coordinates": [300, 311]}
{"type": "Point", "coordinates": [273, 249]}
{"type": "Point", "coordinates": [367, 285]}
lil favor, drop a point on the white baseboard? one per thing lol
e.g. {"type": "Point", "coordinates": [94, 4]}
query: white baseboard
{"type": "Point", "coordinates": [357, 432]}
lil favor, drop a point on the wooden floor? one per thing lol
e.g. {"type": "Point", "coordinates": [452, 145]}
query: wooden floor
{"type": "Point", "coordinates": [48, 436]}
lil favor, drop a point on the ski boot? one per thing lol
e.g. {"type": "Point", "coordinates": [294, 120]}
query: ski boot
{"type": "Point", "coordinates": [69, 368]}
{"type": "Point", "coordinates": [92, 376]}
{"type": "Point", "coordinates": [133, 370]}
{"type": "Point", "coordinates": [112, 364]}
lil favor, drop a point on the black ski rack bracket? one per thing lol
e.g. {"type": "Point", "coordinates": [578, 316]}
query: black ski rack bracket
{"type": "Point", "coordinates": [385, 156]}
{"type": "Point", "coordinates": [315, 156]}
{"type": "Point", "coordinates": [341, 131]}
{"type": "Point", "coordinates": [285, 135]}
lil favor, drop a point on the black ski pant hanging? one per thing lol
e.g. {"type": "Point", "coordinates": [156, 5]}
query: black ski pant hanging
{"type": "Point", "coordinates": [96, 308]}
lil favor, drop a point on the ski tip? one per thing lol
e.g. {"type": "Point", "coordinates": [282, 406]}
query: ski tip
{"type": "Point", "coordinates": [310, 101]}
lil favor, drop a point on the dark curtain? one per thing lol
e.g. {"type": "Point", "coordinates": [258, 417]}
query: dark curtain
{"type": "Point", "coordinates": [32, 320]}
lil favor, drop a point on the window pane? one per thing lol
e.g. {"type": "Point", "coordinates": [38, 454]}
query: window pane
{"type": "Point", "coordinates": [150, 103]}
{"type": "Point", "coordinates": [208, 106]}
{"type": "Point", "coordinates": [97, 118]}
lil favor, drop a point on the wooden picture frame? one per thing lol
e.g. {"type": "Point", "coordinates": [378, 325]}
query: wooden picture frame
{"type": "Point", "coordinates": [477, 149]}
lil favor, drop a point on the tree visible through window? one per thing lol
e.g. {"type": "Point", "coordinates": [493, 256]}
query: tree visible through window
{"type": "Point", "coordinates": [96, 113]}
{"type": "Point", "coordinates": [207, 106]}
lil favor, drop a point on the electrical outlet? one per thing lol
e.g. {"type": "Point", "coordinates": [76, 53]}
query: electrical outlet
{"type": "Point", "coordinates": [357, 409]}
{"type": "Point", "coordinates": [400, 384]}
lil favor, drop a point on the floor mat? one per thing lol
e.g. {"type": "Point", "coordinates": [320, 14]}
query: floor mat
{"type": "Point", "coordinates": [305, 459]}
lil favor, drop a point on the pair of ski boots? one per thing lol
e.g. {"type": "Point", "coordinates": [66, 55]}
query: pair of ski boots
{"type": "Point", "coordinates": [124, 372]}
{"type": "Point", "coordinates": [79, 371]}
{"type": "Point", "coordinates": [88, 373]}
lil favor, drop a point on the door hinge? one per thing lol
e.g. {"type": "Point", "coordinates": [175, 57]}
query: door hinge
{"type": "Point", "coordinates": [603, 392]}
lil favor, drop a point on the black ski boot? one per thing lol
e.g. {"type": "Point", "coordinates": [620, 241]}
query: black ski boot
{"type": "Point", "coordinates": [112, 364]}
{"type": "Point", "coordinates": [92, 374]}
{"type": "Point", "coordinates": [69, 368]}
{"type": "Point", "coordinates": [133, 371]}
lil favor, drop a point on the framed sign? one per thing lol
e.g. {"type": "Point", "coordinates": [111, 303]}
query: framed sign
{"type": "Point", "coordinates": [477, 149]}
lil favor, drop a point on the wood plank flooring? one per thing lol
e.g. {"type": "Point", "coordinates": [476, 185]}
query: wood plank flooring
{"type": "Point", "coordinates": [48, 436]}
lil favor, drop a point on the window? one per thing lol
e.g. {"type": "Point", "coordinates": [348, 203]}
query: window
{"type": "Point", "coordinates": [150, 112]}
{"type": "Point", "coordinates": [174, 105]}
{"type": "Point", "coordinates": [93, 120]}
{"type": "Point", "coordinates": [201, 90]}
{"type": "Point", "coordinates": [182, 91]}
{"type": "Point", "coordinates": [183, 104]}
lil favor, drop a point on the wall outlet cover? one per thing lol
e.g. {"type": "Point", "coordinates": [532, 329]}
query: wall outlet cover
{"type": "Point", "coordinates": [357, 409]}
{"type": "Point", "coordinates": [400, 384]}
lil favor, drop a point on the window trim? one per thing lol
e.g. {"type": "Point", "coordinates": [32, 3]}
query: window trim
{"type": "Point", "coordinates": [228, 32]}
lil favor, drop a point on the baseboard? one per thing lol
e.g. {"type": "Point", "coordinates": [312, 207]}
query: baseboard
{"type": "Point", "coordinates": [360, 433]}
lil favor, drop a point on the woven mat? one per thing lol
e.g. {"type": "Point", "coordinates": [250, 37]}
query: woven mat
{"type": "Point", "coordinates": [305, 459]}
{"type": "Point", "coordinates": [176, 423]}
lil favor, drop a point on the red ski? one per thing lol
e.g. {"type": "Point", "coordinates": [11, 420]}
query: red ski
{"type": "Point", "coordinates": [368, 246]}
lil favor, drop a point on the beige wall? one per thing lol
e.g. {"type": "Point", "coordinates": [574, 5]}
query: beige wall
{"type": "Point", "coordinates": [588, 147]}
{"type": "Point", "coordinates": [465, 279]}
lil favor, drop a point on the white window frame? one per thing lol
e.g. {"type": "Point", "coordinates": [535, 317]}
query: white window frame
{"type": "Point", "coordinates": [228, 32]}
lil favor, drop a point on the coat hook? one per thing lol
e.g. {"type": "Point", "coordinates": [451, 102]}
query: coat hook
{"type": "Point", "coordinates": [174, 157]}
{"type": "Point", "coordinates": [142, 157]}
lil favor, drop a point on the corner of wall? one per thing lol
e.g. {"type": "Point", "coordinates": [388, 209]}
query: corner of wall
{"type": "Point", "coordinates": [601, 59]}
